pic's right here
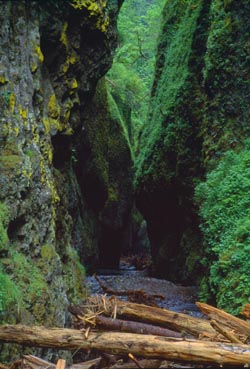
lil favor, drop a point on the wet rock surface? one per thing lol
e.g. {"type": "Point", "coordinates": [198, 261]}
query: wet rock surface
{"type": "Point", "coordinates": [177, 298]}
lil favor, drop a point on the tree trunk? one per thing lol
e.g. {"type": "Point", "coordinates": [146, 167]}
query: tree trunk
{"type": "Point", "coordinates": [147, 346]}
{"type": "Point", "coordinates": [133, 327]}
{"type": "Point", "coordinates": [246, 311]}
{"type": "Point", "coordinates": [227, 320]}
{"type": "Point", "coordinates": [165, 318]}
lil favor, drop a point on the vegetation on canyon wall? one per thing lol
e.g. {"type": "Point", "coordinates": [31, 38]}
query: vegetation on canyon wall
{"type": "Point", "coordinates": [225, 211]}
{"type": "Point", "coordinates": [131, 76]}
{"type": "Point", "coordinates": [70, 141]}
{"type": "Point", "coordinates": [198, 111]}
{"type": "Point", "coordinates": [48, 231]}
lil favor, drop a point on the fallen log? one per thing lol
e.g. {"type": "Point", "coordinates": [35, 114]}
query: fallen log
{"type": "Point", "coordinates": [179, 322]}
{"type": "Point", "coordinates": [225, 332]}
{"type": "Point", "coordinates": [246, 311]}
{"type": "Point", "coordinates": [61, 364]}
{"type": "Point", "coordinates": [225, 319]}
{"type": "Point", "coordinates": [133, 327]}
{"type": "Point", "coordinates": [34, 362]}
{"type": "Point", "coordinates": [105, 323]}
{"type": "Point", "coordinates": [147, 346]}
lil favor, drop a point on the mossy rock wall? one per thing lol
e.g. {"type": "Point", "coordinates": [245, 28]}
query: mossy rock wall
{"type": "Point", "coordinates": [107, 174]}
{"type": "Point", "coordinates": [53, 54]}
{"type": "Point", "coordinates": [199, 109]}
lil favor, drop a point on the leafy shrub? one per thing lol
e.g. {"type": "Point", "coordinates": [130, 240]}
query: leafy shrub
{"type": "Point", "coordinates": [224, 200]}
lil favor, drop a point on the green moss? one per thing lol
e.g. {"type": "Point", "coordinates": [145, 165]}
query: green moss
{"type": "Point", "coordinates": [74, 275]}
{"type": "Point", "coordinates": [10, 162]}
{"type": "Point", "coordinates": [98, 133]}
{"type": "Point", "coordinates": [170, 129]}
{"type": "Point", "coordinates": [48, 252]}
{"type": "Point", "coordinates": [225, 204]}
{"type": "Point", "coordinates": [198, 110]}
{"type": "Point", "coordinates": [225, 63]}
{"type": "Point", "coordinates": [115, 116]}
{"type": "Point", "coordinates": [10, 298]}
{"type": "Point", "coordinates": [23, 285]}
{"type": "Point", "coordinates": [31, 283]}
{"type": "Point", "coordinates": [53, 107]}
{"type": "Point", "coordinates": [4, 220]}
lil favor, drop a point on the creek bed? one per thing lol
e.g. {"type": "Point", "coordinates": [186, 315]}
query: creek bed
{"type": "Point", "coordinates": [176, 298]}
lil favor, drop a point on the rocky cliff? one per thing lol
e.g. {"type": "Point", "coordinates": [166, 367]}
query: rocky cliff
{"type": "Point", "coordinates": [62, 149]}
{"type": "Point", "coordinates": [199, 109]}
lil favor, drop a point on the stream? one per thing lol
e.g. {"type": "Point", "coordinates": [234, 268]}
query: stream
{"type": "Point", "coordinates": [127, 277]}
{"type": "Point", "coordinates": [176, 297]}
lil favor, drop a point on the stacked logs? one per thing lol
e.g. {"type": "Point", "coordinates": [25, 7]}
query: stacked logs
{"type": "Point", "coordinates": [125, 329]}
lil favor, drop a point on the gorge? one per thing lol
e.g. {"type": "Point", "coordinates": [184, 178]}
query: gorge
{"type": "Point", "coordinates": [79, 172]}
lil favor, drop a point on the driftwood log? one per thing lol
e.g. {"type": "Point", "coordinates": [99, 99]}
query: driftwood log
{"type": "Point", "coordinates": [105, 323]}
{"type": "Point", "coordinates": [147, 346]}
{"type": "Point", "coordinates": [227, 320]}
{"type": "Point", "coordinates": [225, 332]}
{"type": "Point", "coordinates": [34, 362]}
{"type": "Point", "coordinates": [246, 311]}
{"type": "Point", "coordinates": [156, 316]}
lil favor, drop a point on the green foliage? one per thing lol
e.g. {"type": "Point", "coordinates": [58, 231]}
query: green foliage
{"type": "Point", "coordinates": [22, 288]}
{"type": "Point", "coordinates": [29, 280]}
{"type": "Point", "coordinates": [139, 24]}
{"type": "Point", "coordinates": [169, 126]}
{"type": "Point", "coordinates": [133, 68]}
{"type": "Point", "coordinates": [9, 294]}
{"type": "Point", "coordinates": [10, 297]}
{"type": "Point", "coordinates": [4, 219]}
{"type": "Point", "coordinates": [225, 210]}
{"type": "Point", "coordinates": [226, 59]}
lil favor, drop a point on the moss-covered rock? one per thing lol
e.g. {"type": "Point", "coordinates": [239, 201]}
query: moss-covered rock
{"type": "Point", "coordinates": [4, 219]}
{"type": "Point", "coordinates": [198, 110]}
{"type": "Point", "coordinates": [57, 51]}
{"type": "Point", "coordinates": [106, 179]}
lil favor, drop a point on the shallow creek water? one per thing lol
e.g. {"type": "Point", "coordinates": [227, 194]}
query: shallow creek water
{"type": "Point", "coordinates": [176, 297]}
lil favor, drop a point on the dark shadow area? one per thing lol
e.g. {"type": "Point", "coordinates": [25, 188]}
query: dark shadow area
{"type": "Point", "coordinates": [14, 227]}
{"type": "Point", "coordinates": [62, 150]}
{"type": "Point", "coordinates": [109, 248]}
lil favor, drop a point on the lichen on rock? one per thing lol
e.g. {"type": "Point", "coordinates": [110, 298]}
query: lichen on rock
{"type": "Point", "coordinates": [56, 55]}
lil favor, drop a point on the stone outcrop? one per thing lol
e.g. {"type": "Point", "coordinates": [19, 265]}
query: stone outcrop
{"type": "Point", "coordinates": [60, 154]}
{"type": "Point", "coordinates": [199, 109]}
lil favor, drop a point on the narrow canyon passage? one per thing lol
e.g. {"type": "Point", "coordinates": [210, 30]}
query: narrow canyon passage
{"type": "Point", "coordinates": [124, 134]}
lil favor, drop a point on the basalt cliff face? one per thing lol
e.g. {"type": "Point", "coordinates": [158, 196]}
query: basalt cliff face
{"type": "Point", "coordinates": [199, 109]}
{"type": "Point", "coordinates": [59, 205]}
